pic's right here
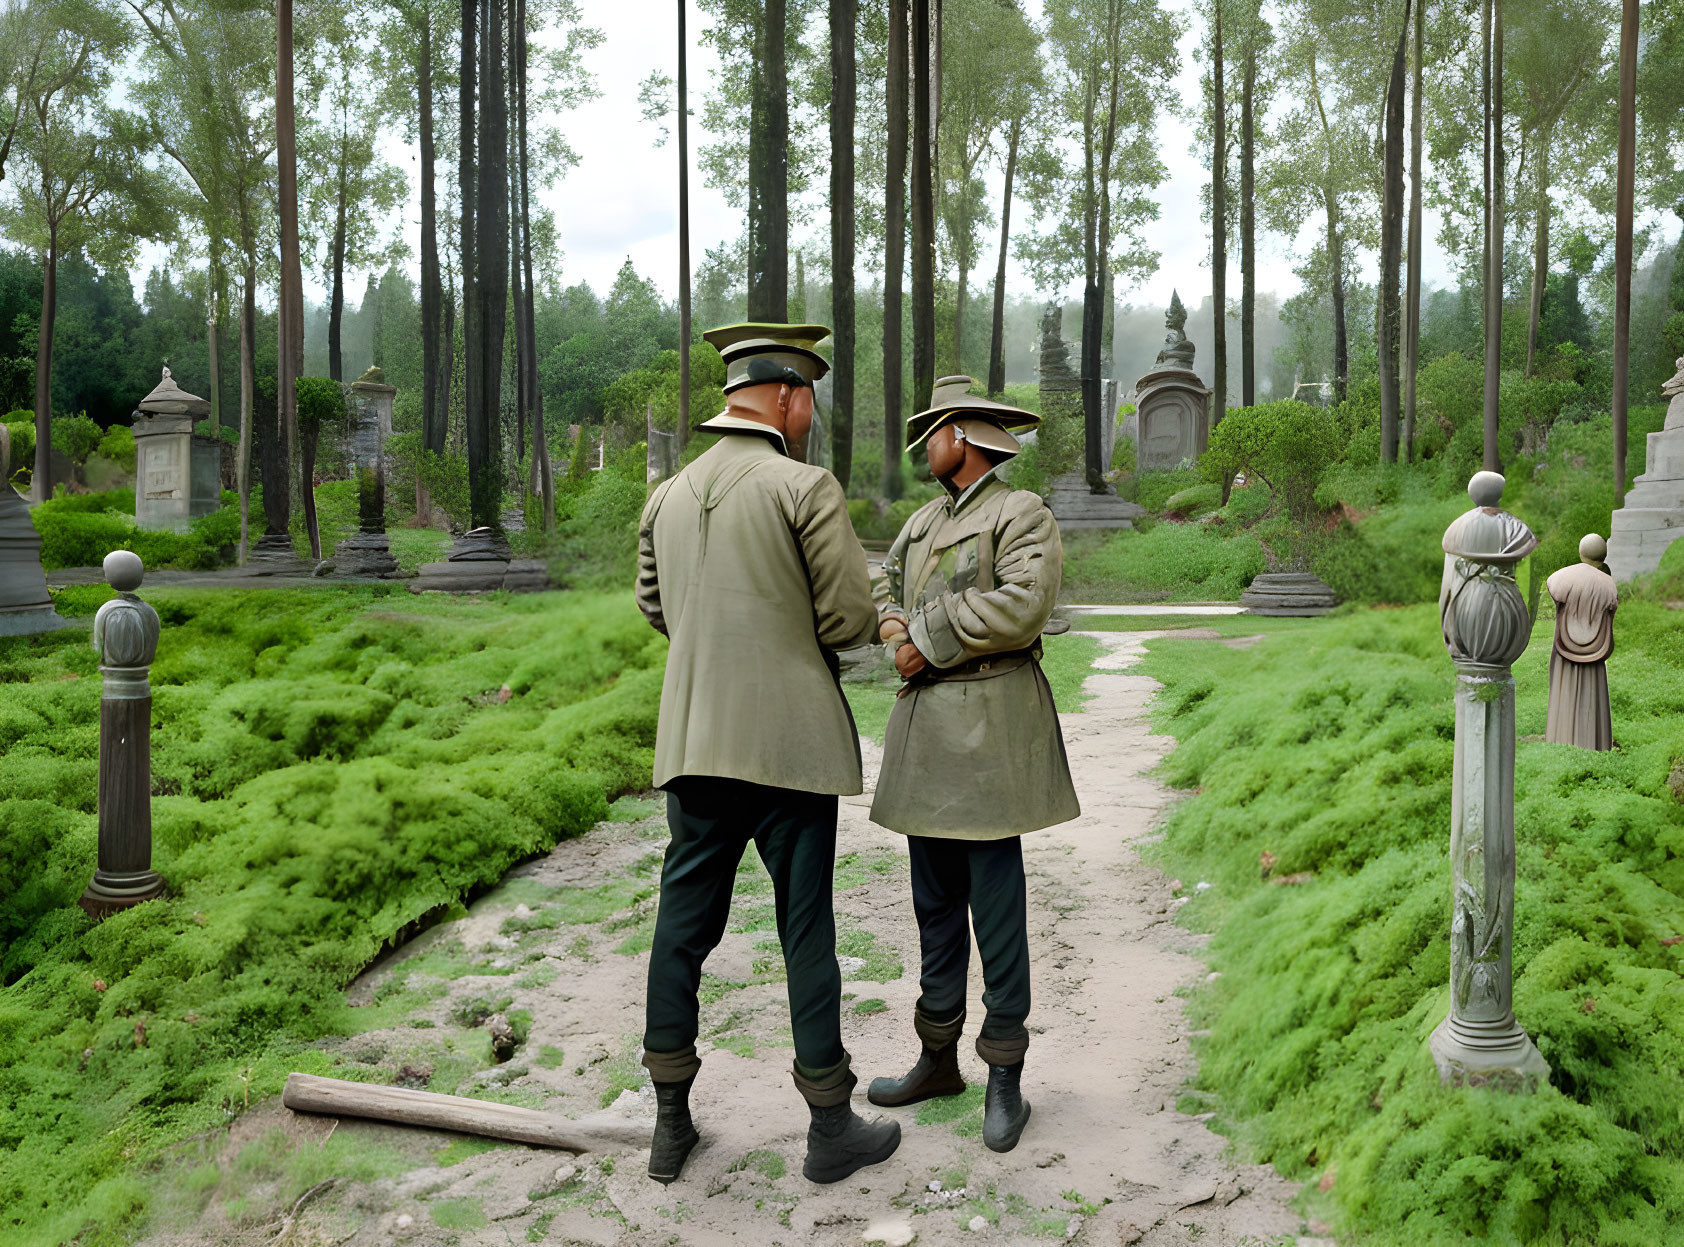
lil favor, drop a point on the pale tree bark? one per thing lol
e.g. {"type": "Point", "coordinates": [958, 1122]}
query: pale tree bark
{"type": "Point", "coordinates": [1624, 195]}
{"type": "Point", "coordinates": [894, 249]}
{"type": "Point", "coordinates": [842, 20]}
{"type": "Point", "coordinates": [1218, 222]}
{"type": "Point", "coordinates": [997, 339]}
{"type": "Point", "coordinates": [1494, 235]}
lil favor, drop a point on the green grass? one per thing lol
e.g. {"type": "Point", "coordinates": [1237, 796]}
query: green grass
{"type": "Point", "coordinates": [1329, 746]}
{"type": "Point", "coordinates": [328, 770]}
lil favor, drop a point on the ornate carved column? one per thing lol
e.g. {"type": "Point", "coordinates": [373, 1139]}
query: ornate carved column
{"type": "Point", "coordinates": [126, 636]}
{"type": "Point", "coordinates": [1486, 627]}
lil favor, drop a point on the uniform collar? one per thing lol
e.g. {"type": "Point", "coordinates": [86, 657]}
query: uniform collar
{"type": "Point", "coordinates": [725, 422]}
{"type": "Point", "coordinates": [957, 501]}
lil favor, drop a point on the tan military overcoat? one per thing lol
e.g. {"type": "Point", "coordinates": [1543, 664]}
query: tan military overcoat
{"type": "Point", "coordinates": [748, 564]}
{"type": "Point", "coordinates": [973, 749]}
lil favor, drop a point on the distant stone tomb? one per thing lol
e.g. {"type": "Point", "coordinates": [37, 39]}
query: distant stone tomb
{"type": "Point", "coordinates": [25, 606]}
{"type": "Point", "coordinates": [1172, 406]}
{"type": "Point", "coordinates": [368, 551]}
{"type": "Point", "coordinates": [1653, 515]}
{"type": "Point", "coordinates": [178, 473]}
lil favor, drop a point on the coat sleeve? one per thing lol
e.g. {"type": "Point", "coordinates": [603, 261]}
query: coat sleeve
{"type": "Point", "coordinates": [887, 586]}
{"type": "Point", "coordinates": [1028, 562]}
{"type": "Point", "coordinates": [648, 577]}
{"type": "Point", "coordinates": [843, 611]}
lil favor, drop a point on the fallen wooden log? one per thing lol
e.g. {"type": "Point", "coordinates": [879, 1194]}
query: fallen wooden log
{"type": "Point", "coordinates": [308, 1093]}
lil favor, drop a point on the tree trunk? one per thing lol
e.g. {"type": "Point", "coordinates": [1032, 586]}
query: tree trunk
{"type": "Point", "coordinates": [894, 249]}
{"type": "Point", "coordinates": [248, 390]}
{"type": "Point", "coordinates": [1391, 245]}
{"type": "Point", "coordinates": [468, 180]}
{"type": "Point", "coordinates": [1335, 260]}
{"type": "Point", "coordinates": [683, 246]}
{"type": "Point", "coordinates": [289, 364]}
{"type": "Point", "coordinates": [309, 432]}
{"type": "Point", "coordinates": [923, 212]}
{"type": "Point", "coordinates": [1248, 222]}
{"type": "Point", "coordinates": [768, 195]}
{"type": "Point", "coordinates": [433, 403]}
{"type": "Point", "coordinates": [41, 482]}
{"type": "Point", "coordinates": [485, 466]}
{"type": "Point", "coordinates": [215, 280]}
{"type": "Point", "coordinates": [1412, 296]}
{"type": "Point", "coordinates": [336, 296]}
{"type": "Point", "coordinates": [535, 392]}
{"type": "Point", "coordinates": [1494, 240]}
{"type": "Point", "coordinates": [842, 20]}
{"type": "Point", "coordinates": [1540, 250]}
{"type": "Point", "coordinates": [1624, 196]}
{"type": "Point", "coordinates": [997, 339]}
{"type": "Point", "coordinates": [1218, 223]}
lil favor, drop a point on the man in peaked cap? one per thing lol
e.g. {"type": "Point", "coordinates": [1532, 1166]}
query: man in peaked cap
{"type": "Point", "coordinates": [973, 757]}
{"type": "Point", "coordinates": [748, 564]}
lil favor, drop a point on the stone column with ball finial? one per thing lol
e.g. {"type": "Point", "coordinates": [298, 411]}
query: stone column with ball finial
{"type": "Point", "coordinates": [1486, 627]}
{"type": "Point", "coordinates": [126, 636]}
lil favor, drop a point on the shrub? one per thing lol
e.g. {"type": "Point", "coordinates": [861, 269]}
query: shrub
{"type": "Point", "coordinates": [79, 530]}
{"type": "Point", "coordinates": [23, 447]}
{"type": "Point", "coordinates": [596, 522]}
{"type": "Point", "coordinates": [117, 445]}
{"type": "Point", "coordinates": [1172, 562]}
{"type": "Point", "coordinates": [875, 521]}
{"type": "Point", "coordinates": [76, 436]}
{"type": "Point", "coordinates": [1287, 445]}
{"type": "Point", "coordinates": [445, 477]}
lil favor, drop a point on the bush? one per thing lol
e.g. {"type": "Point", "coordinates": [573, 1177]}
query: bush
{"type": "Point", "coordinates": [1330, 750]}
{"type": "Point", "coordinates": [23, 446]}
{"type": "Point", "coordinates": [444, 476]}
{"type": "Point", "coordinates": [327, 772]}
{"type": "Point", "coordinates": [596, 522]}
{"type": "Point", "coordinates": [79, 530]}
{"type": "Point", "coordinates": [75, 437]}
{"type": "Point", "coordinates": [875, 521]}
{"type": "Point", "coordinates": [117, 445]}
{"type": "Point", "coordinates": [1287, 445]}
{"type": "Point", "coordinates": [1171, 563]}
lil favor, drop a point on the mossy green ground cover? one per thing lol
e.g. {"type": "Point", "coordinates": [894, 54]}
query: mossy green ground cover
{"type": "Point", "coordinates": [1328, 745]}
{"type": "Point", "coordinates": [330, 767]}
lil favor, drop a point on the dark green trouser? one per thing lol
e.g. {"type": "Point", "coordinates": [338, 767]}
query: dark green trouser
{"type": "Point", "coordinates": [712, 821]}
{"type": "Point", "coordinates": [985, 878]}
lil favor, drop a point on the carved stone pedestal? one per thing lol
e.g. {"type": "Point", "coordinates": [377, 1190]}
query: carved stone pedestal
{"type": "Point", "coordinates": [1486, 627]}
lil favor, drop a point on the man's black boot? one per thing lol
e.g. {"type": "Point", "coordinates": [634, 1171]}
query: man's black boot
{"type": "Point", "coordinates": [675, 1135]}
{"type": "Point", "coordinates": [936, 1073]}
{"type": "Point", "coordinates": [1007, 1112]}
{"type": "Point", "coordinates": [839, 1142]}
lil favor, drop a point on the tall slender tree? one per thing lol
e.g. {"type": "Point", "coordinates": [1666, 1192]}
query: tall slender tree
{"type": "Point", "coordinates": [1412, 282]}
{"type": "Point", "coordinates": [843, 17]}
{"type": "Point", "coordinates": [683, 231]}
{"type": "Point", "coordinates": [491, 246]}
{"type": "Point", "coordinates": [1494, 177]}
{"type": "Point", "coordinates": [1625, 196]}
{"type": "Point", "coordinates": [768, 169]}
{"type": "Point", "coordinates": [290, 323]}
{"type": "Point", "coordinates": [997, 332]}
{"type": "Point", "coordinates": [1218, 219]}
{"type": "Point", "coordinates": [923, 208]}
{"type": "Point", "coordinates": [1248, 212]}
{"type": "Point", "coordinates": [1391, 246]}
{"type": "Point", "coordinates": [473, 403]}
{"type": "Point", "coordinates": [894, 246]}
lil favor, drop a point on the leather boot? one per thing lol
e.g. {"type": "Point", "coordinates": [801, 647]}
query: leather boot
{"type": "Point", "coordinates": [675, 1135]}
{"type": "Point", "coordinates": [839, 1142]}
{"type": "Point", "coordinates": [936, 1073]}
{"type": "Point", "coordinates": [1007, 1111]}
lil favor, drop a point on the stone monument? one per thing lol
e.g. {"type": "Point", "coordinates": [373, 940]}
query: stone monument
{"type": "Point", "coordinates": [1486, 627]}
{"type": "Point", "coordinates": [126, 636]}
{"type": "Point", "coordinates": [1653, 515]}
{"type": "Point", "coordinates": [1585, 601]}
{"type": "Point", "coordinates": [25, 606]}
{"type": "Point", "coordinates": [178, 473]}
{"type": "Point", "coordinates": [1172, 406]}
{"type": "Point", "coordinates": [368, 551]}
{"type": "Point", "coordinates": [1288, 593]}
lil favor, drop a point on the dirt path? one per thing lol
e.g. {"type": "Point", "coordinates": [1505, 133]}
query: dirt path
{"type": "Point", "coordinates": [1106, 1159]}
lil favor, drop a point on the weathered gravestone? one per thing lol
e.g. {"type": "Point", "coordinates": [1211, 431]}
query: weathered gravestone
{"type": "Point", "coordinates": [368, 551]}
{"type": "Point", "coordinates": [126, 636]}
{"type": "Point", "coordinates": [1585, 601]}
{"type": "Point", "coordinates": [1288, 593]}
{"type": "Point", "coordinates": [1172, 406]}
{"type": "Point", "coordinates": [178, 473]}
{"type": "Point", "coordinates": [25, 606]}
{"type": "Point", "coordinates": [1653, 515]}
{"type": "Point", "coordinates": [1486, 626]}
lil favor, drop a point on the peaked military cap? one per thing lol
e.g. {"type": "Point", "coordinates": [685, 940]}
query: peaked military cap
{"type": "Point", "coordinates": [951, 402]}
{"type": "Point", "coordinates": [756, 353]}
